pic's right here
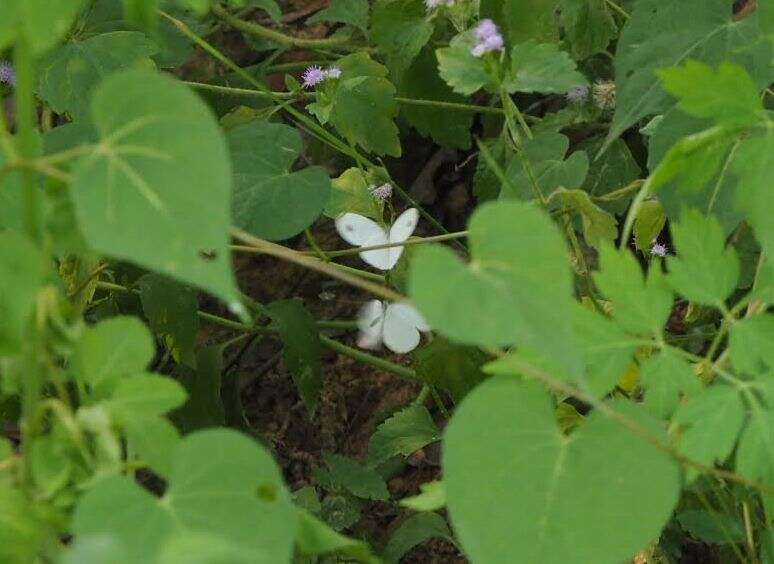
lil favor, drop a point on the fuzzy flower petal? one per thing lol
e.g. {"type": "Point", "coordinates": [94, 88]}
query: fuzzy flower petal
{"type": "Point", "coordinates": [313, 76]}
{"type": "Point", "coordinates": [488, 38]}
{"type": "Point", "coordinates": [577, 94]}
{"type": "Point", "coordinates": [333, 72]}
{"type": "Point", "coordinates": [382, 192]}
{"type": "Point", "coordinates": [659, 250]}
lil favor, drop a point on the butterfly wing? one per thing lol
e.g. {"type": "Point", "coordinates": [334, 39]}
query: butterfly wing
{"type": "Point", "coordinates": [357, 230]}
{"type": "Point", "coordinates": [370, 321]}
{"type": "Point", "coordinates": [400, 231]}
{"type": "Point", "coordinates": [402, 323]}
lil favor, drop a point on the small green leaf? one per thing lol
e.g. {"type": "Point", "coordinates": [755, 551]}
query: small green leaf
{"type": "Point", "coordinates": [752, 166]}
{"type": "Point", "coordinates": [529, 509]}
{"type": "Point", "coordinates": [542, 67]}
{"type": "Point", "coordinates": [755, 455]}
{"type": "Point", "coordinates": [315, 538]}
{"type": "Point", "coordinates": [711, 422]}
{"type": "Point", "coordinates": [524, 20]}
{"type": "Point", "coordinates": [359, 480]}
{"type": "Point", "coordinates": [615, 169]}
{"type": "Point", "coordinates": [728, 96]}
{"type": "Point", "coordinates": [598, 225]}
{"type": "Point", "coordinates": [588, 25]}
{"type": "Point", "coordinates": [146, 395]}
{"type": "Point", "coordinates": [650, 221]}
{"type": "Point", "coordinates": [750, 344]}
{"type": "Point", "coordinates": [153, 440]}
{"type": "Point", "coordinates": [515, 289]}
{"type": "Point", "coordinates": [111, 349]}
{"type": "Point", "coordinates": [402, 434]}
{"type": "Point", "coordinates": [23, 527]}
{"type": "Point", "coordinates": [705, 270]}
{"type": "Point", "coordinates": [463, 72]}
{"type": "Point", "coordinates": [21, 275]}
{"type": "Point", "coordinates": [42, 22]}
{"type": "Point", "coordinates": [352, 12]}
{"type": "Point", "coordinates": [640, 305]}
{"type": "Point", "coordinates": [350, 193]}
{"type": "Point", "coordinates": [399, 29]}
{"type": "Point", "coordinates": [171, 310]}
{"type": "Point", "coordinates": [204, 407]}
{"type": "Point", "coordinates": [301, 348]}
{"type": "Point", "coordinates": [666, 378]}
{"type": "Point", "coordinates": [50, 464]}
{"type": "Point", "coordinates": [413, 531]}
{"type": "Point", "coordinates": [432, 498]}
{"type": "Point", "coordinates": [269, 201]}
{"type": "Point", "coordinates": [455, 368]}
{"type": "Point", "coordinates": [70, 74]}
{"type": "Point", "coordinates": [712, 527]}
{"type": "Point", "coordinates": [145, 193]}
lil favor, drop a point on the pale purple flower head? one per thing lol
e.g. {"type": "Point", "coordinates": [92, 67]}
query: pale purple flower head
{"type": "Point", "coordinates": [658, 249]}
{"type": "Point", "coordinates": [383, 192]}
{"type": "Point", "coordinates": [7, 74]}
{"type": "Point", "coordinates": [333, 72]}
{"type": "Point", "coordinates": [488, 37]}
{"type": "Point", "coordinates": [577, 94]}
{"type": "Point", "coordinates": [313, 76]}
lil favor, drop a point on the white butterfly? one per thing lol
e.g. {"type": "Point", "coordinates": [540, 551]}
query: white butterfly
{"type": "Point", "coordinates": [363, 232]}
{"type": "Point", "coordinates": [395, 325]}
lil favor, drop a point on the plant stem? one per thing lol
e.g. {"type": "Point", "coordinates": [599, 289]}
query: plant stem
{"type": "Point", "coordinates": [25, 118]}
{"type": "Point", "coordinates": [262, 32]}
{"type": "Point", "coordinates": [618, 9]}
{"type": "Point", "coordinates": [406, 243]}
{"type": "Point", "coordinates": [375, 361]}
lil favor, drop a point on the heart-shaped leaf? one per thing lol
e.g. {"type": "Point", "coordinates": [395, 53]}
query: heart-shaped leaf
{"type": "Point", "coordinates": [515, 289]}
{"type": "Point", "coordinates": [269, 200]}
{"type": "Point", "coordinates": [155, 190]}
{"type": "Point", "coordinates": [518, 490]}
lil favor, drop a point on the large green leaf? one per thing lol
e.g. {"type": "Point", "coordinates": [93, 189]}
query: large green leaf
{"type": "Point", "coordinates": [413, 531]}
{"type": "Point", "coordinates": [664, 34]}
{"type": "Point", "coordinates": [750, 344]}
{"type": "Point", "coordinates": [221, 484]}
{"type": "Point", "coordinates": [528, 19]}
{"type": "Point", "coordinates": [666, 378]}
{"type": "Point", "coordinates": [399, 29]}
{"type": "Point", "coordinates": [353, 12]}
{"type": "Point", "coordinates": [752, 166]}
{"type": "Point", "coordinates": [70, 73]}
{"type": "Point", "coordinates": [463, 72]}
{"type": "Point", "coordinates": [21, 275]}
{"type": "Point", "coordinates": [520, 491]}
{"type": "Point", "coordinates": [455, 368]}
{"type": "Point", "coordinates": [515, 289]}
{"type": "Point", "coordinates": [704, 271]}
{"type": "Point", "coordinates": [542, 67]}
{"type": "Point", "coordinates": [155, 190]}
{"type": "Point", "coordinates": [269, 200]}
{"type": "Point", "coordinates": [404, 433]}
{"type": "Point", "coordinates": [359, 480]}
{"type": "Point", "coordinates": [588, 25]}
{"type": "Point", "coordinates": [42, 22]}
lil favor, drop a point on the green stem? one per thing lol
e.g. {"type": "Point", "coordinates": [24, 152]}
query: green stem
{"type": "Point", "coordinates": [375, 361]}
{"type": "Point", "coordinates": [262, 32]}
{"type": "Point", "coordinates": [618, 9]}
{"type": "Point", "coordinates": [406, 243]}
{"type": "Point", "coordinates": [24, 63]}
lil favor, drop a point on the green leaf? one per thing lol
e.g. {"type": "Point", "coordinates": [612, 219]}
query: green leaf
{"type": "Point", "coordinates": [21, 275]}
{"type": "Point", "coordinates": [340, 511]}
{"type": "Point", "coordinates": [542, 67]}
{"type": "Point", "coordinates": [714, 527]}
{"type": "Point", "coordinates": [269, 6]}
{"type": "Point", "coordinates": [514, 291]}
{"type": "Point", "coordinates": [221, 484]}
{"type": "Point", "coordinates": [316, 538]}
{"type": "Point", "coordinates": [49, 464]}
{"type": "Point", "coordinates": [728, 96]}
{"type": "Point", "coordinates": [141, 13]}
{"type": "Point", "coordinates": [463, 72]}
{"type": "Point", "coordinates": [351, 193]}
{"type": "Point", "coordinates": [404, 433]}
{"type": "Point", "coordinates": [421, 81]}
{"type": "Point", "coordinates": [650, 221]}
{"type": "Point", "coordinates": [413, 531]}
{"type": "Point", "coordinates": [41, 22]}
{"type": "Point", "coordinates": [607, 350]}
{"type": "Point", "coordinates": [432, 498]}
{"type": "Point", "coordinates": [588, 25]}
{"type": "Point", "coordinates": [399, 29]}
{"type": "Point", "coordinates": [616, 168]}
{"type": "Point", "coordinates": [752, 166]}
{"type": "Point", "coordinates": [455, 368]}
{"type": "Point", "coordinates": [703, 30]}
{"type": "Point", "coordinates": [617, 472]}
{"type": "Point", "coordinates": [146, 395]}
{"type": "Point", "coordinates": [201, 548]}
{"type": "Point", "coordinates": [352, 12]}
{"type": "Point", "coordinates": [529, 19]}
{"type": "Point", "coordinates": [640, 305]}
{"type": "Point", "coordinates": [117, 347]}
{"type": "Point", "coordinates": [705, 270]}
{"type": "Point", "coordinates": [23, 528]}
{"type": "Point", "coordinates": [755, 455]}
{"type": "Point", "coordinates": [153, 440]}
{"type": "Point", "coordinates": [598, 225]}
{"type": "Point", "coordinates": [301, 348]}
{"type": "Point", "coordinates": [204, 407]}
{"type": "Point", "coordinates": [145, 193]}
{"type": "Point", "coordinates": [711, 422]}
{"type": "Point", "coordinates": [666, 378]}
{"type": "Point", "coordinates": [550, 170]}
{"type": "Point", "coordinates": [270, 201]}
{"type": "Point", "coordinates": [357, 479]}
{"type": "Point", "coordinates": [171, 310]}
{"type": "Point", "coordinates": [70, 74]}
{"type": "Point", "coordinates": [750, 344]}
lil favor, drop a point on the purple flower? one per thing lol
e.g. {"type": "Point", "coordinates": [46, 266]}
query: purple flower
{"type": "Point", "coordinates": [333, 72]}
{"type": "Point", "coordinates": [489, 38]}
{"type": "Point", "coordinates": [382, 192]}
{"type": "Point", "coordinates": [658, 250]}
{"type": "Point", "coordinates": [7, 74]}
{"type": "Point", "coordinates": [313, 76]}
{"type": "Point", "coordinates": [577, 94]}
